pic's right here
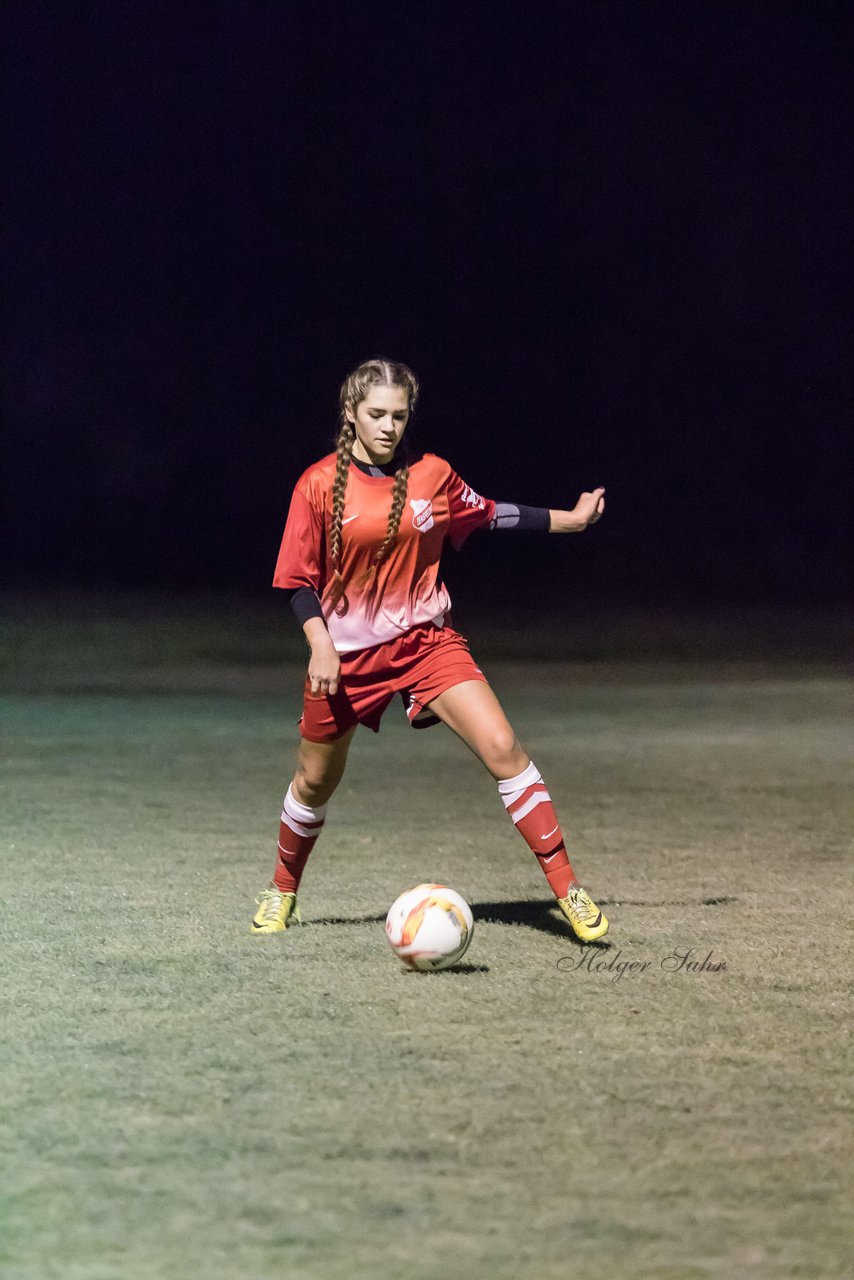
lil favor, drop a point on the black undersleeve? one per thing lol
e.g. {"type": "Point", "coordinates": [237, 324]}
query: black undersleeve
{"type": "Point", "coordinates": [304, 603]}
{"type": "Point", "coordinates": [510, 515]}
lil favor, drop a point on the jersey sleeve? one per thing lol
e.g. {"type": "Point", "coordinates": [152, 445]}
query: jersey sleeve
{"type": "Point", "coordinates": [468, 510]}
{"type": "Point", "coordinates": [301, 555]}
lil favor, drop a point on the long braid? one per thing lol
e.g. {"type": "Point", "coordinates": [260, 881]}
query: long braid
{"type": "Point", "coordinates": [334, 597]}
{"type": "Point", "coordinates": [346, 440]}
{"type": "Point", "coordinates": [398, 502]}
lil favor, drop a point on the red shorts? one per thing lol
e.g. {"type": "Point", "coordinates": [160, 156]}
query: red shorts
{"type": "Point", "coordinates": [418, 665]}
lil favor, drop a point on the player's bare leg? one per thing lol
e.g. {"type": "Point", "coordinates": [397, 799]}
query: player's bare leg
{"type": "Point", "coordinates": [320, 768]}
{"type": "Point", "coordinates": [476, 716]}
{"type": "Point", "coordinates": [474, 713]}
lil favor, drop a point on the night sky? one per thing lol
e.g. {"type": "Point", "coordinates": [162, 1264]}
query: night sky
{"type": "Point", "coordinates": [611, 239]}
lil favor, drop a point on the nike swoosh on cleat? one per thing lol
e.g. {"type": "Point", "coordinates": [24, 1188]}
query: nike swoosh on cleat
{"type": "Point", "coordinates": [349, 518]}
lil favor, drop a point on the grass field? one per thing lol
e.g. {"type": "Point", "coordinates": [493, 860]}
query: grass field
{"type": "Point", "coordinates": [182, 1101]}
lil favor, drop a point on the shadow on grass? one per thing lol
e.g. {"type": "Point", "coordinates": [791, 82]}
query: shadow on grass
{"type": "Point", "coordinates": [449, 972]}
{"type": "Point", "coordinates": [544, 916]}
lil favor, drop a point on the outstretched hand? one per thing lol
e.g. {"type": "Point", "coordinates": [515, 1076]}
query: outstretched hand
{"type": "Point", "coordinates": [589, 508]}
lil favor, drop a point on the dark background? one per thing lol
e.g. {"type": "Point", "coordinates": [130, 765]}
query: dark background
{"type": "Point", "coordinates": [609, 237]}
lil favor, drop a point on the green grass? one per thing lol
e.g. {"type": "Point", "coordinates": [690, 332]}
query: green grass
{"type": "Point", "coordinates": [182, 1101]}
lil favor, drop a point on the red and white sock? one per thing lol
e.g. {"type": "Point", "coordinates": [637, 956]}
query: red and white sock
{"type": "Point", "coordinates": [530, 806]}
{"type": "Point", "coordinates": [299, 829]}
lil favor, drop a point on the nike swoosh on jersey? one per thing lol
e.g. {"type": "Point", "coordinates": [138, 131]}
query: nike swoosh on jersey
{"type": "Point", "coordinates": [349, 518]}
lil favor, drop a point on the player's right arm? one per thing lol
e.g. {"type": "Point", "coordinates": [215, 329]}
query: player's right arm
{"type": "Point", "coordinates": [300, 572]}
{"type": "Point", "coordinates": [324, 665]}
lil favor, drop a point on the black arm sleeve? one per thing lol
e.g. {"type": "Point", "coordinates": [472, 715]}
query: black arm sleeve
{"type": "Point", "coordinates": [509, 515]}
{"type": "Point", "coordinates": [304, 603]}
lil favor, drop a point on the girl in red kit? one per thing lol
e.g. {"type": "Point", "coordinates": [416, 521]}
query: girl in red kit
{"type": "Point", "coordinates": [360, 560]}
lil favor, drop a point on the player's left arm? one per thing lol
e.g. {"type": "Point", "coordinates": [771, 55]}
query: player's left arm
{"type": "Point", "coordinates": [589, 508]}
{"type": "Point", "coordinates": [469, 511]}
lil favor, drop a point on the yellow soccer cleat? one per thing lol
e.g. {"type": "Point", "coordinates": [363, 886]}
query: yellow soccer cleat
{"type": "Point", "coordinates": [582, 913]}
{"type": "Point", "coordinates": [276, 911]}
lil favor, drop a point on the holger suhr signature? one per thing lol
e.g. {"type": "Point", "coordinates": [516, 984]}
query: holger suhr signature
{"type": "Point", "coordinates": [679, 960]}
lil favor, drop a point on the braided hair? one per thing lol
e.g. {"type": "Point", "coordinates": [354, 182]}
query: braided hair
{"type": "Point", "coordinates": [371, 373]}
{"type": "Point", "coordinates": [346, 440]}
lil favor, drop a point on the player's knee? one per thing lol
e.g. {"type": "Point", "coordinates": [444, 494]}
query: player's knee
{"type": "Point", "coordinates": [314, 782]}
{"type": "Point", "coordinates": [311, 789]}
{"type": "Point", "coordinates": [505, 752]}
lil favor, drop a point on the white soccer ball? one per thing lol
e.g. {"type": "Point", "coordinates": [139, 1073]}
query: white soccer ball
{"type": "Point", "coordinates": [429, 927]}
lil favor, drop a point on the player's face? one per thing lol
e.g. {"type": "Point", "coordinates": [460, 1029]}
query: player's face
{"type": "Point", "coordinates": [380, 420]}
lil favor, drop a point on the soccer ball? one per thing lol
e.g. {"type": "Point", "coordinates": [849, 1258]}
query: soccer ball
{"type": "Point", "coordinates": [429, 927]}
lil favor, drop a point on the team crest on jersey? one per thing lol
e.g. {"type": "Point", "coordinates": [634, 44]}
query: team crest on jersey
{"type": "Point", "coordinates": [422, 513]}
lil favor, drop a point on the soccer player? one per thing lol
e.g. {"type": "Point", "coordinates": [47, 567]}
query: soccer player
{"type": "Point", "coordinates": [360, 560]}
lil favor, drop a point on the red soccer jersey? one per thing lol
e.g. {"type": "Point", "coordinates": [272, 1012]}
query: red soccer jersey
{"type": "Point", "coordinates": [405, 591]}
